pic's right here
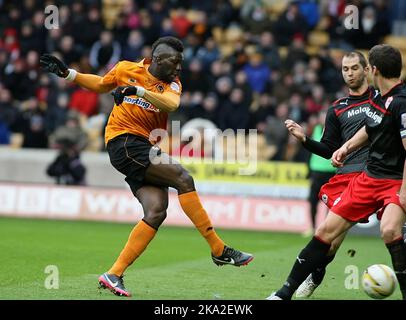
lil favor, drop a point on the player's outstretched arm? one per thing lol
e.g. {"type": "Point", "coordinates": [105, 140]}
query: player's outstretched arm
{"type": "Point", "coordinates": [316, 147]}
{"type": "Point", "coordinates": [91, 82]}
{"type": "Point", "coordinates": [167, 101]}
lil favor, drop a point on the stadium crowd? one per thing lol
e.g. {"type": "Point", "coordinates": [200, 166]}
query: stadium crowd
{"type": "Point", "coordinates": [248, 64]}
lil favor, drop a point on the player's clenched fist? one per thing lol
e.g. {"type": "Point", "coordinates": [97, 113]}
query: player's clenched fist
{"type": "Point", "coordinates": [52, 64]}
{"type": "Point", "coordinates": [120, 92]}
{"type": "Point", "coordinates": [337, 160]}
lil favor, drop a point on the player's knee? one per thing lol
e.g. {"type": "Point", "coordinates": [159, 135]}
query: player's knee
{"type": "Point", "coordinates": [155, 218]}
{"type": "Point", "coordinates": [185, 182]}
{"type": "Point", "coordinates": [324, 233]}
{"type": "Point", "coordinates": [390, 233]}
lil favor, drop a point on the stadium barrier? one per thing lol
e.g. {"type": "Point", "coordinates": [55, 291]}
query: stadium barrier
{"type": "Point", "coordinates": [273, 199]}
{"type": "Point", "coordinates": [119, 205]}
{"type": "Point", "coordinates": [271, 179]}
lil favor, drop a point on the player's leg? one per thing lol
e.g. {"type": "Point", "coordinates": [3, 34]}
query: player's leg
{"type": "Point", "coordinates": [307, 288]}
{"type": "Point", "coordinates": [167, 172]}
{"type": "Point", "coordinates": [314, 198]}
{"type": "Point", "coordinates": [329, 192]}
{"type": "Point", "coordinates": [393, 219]}
{"type": "Point", "coordinates": [154, 201]}
{"type": "Point", "coordinates": [318, 180]}
{"type": "Point", "coordinates": [313, 254]}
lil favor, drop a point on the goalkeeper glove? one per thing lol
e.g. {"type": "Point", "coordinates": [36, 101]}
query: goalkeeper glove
{"type": "Point", "coordinates": [52, 64]}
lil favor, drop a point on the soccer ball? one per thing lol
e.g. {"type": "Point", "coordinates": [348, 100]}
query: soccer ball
{"type": "Point", "coordinates": [379, 281]}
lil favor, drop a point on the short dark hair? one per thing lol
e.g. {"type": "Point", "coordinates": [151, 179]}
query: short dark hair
{"type": "Point", "coordinates": [362, 60]}
{"type": "Point", "coordinates": [172, 42]}
{"type": "Point", "coordinates": [386, 59]}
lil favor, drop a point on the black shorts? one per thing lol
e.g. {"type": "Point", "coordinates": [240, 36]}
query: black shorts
{"type": "Point", "coordinates": [130, 155]}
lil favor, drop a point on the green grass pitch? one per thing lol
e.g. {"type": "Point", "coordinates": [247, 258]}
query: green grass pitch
{"type": "Point", "coordinates": [176, 265]}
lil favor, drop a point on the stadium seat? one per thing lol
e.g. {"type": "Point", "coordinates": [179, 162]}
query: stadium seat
{"type": "Point", "coordinates": [312, 50]}
{"type": "Point", "coordinates": [318, 38]}
{"type": "Point", "coordinates": [396, 41]}
{"type": "Point", "coordinates": [336, 54]}
{"type": "Point", "coordinates": [218, 34]}
{"type": "Point", "coordinates": [226, 49]}
{"type": "Point", "coordinates": [95, 139]}
{"type": "Point", "coordinates": [16, 140]}
{"type": "Point", "coordinates": [283, 52]}
{"type": "Point", "coordinates": [275, 7]}
{"type": "Point", "coordinates": [265, 151]}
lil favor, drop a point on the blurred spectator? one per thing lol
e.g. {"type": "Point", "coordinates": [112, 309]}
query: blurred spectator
{"type": "Point", "coordinates": [193, 44]}
{"type": "Point", "coordinates": [195, 79]}
{"type": "Point", "coordinates": [282, 90]}
{"type": "Point", "coordinates": [18, 82]}
{"type": "Point", "coordinates": [105, 52]}
{"type": "Point", "coordinates": [70, 134]}
{"type": "Point", "coordinates": [57, 99]}
{"type": "Point", "coordinates": [296, 52]}
{"type": "Point", "coordinates": [84, 101]}
{"type": "Point", "coordinates": [67, 168]}
{"type": "Point", "coordinates": [262, 111]}
{"type": "Point", "coordinates": [31, 123]}
{"type": "Point", "coordinates": [241, 81]}
{"type": "Point", "coordinates": [53, 40]}
{"type": "Point", "coordinates": [132, 48]}
{"type": "Point", "coordinates": [310, 11]}
{"type": "Point", "coordinates": [158, 12]}
{"type": "Point", "coordinates": [68, 50]}
{"type": "Point", "coordinates": [208, 53]}
{"type": "Point", "coordinates": [270, 50]}
{"type": "Point", "coordinates": [297, 108]}
{"type": "Point", "coordinates": [8, 112]}
{"type": "Point", "coordinates": [27, 38]}
{"type": "Point", "coordinates": [222, 14]}
{"type": "Point", "coordinates": [181, 24]}
{"type": "Point", "coordinates": [4, 133]}
{"type": "Point", "coordinates": [255, 17]}
{"type": "Point", "coordinates": [223, 89]}
{"type": "Point", "coordinates": [9, 42]}
{"type": "Point", "coordinates": [258, 73]}
{"type": "Point", "coordinates": [91, 22]}
{"type": "Point", "coordinates": [315, 101]}
{"type": "Point", "coordinates": [167, 28]}
{"type": "Point", "coordinates": [234, 114]}
{"type": "Point", "coordinates": [200, 27]}
{"type": "Point", "coordinates": [209, 108]}
{"type": "Point", "coordinates": [276, 133]}
{"type": "Point", "coordinates": [39, 32]}
{"type": "Point", "coordinates": [289, 25]}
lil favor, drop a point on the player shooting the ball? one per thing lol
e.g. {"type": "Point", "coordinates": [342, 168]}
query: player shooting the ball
{"type": "Point", "coordinates": [144, 93]}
